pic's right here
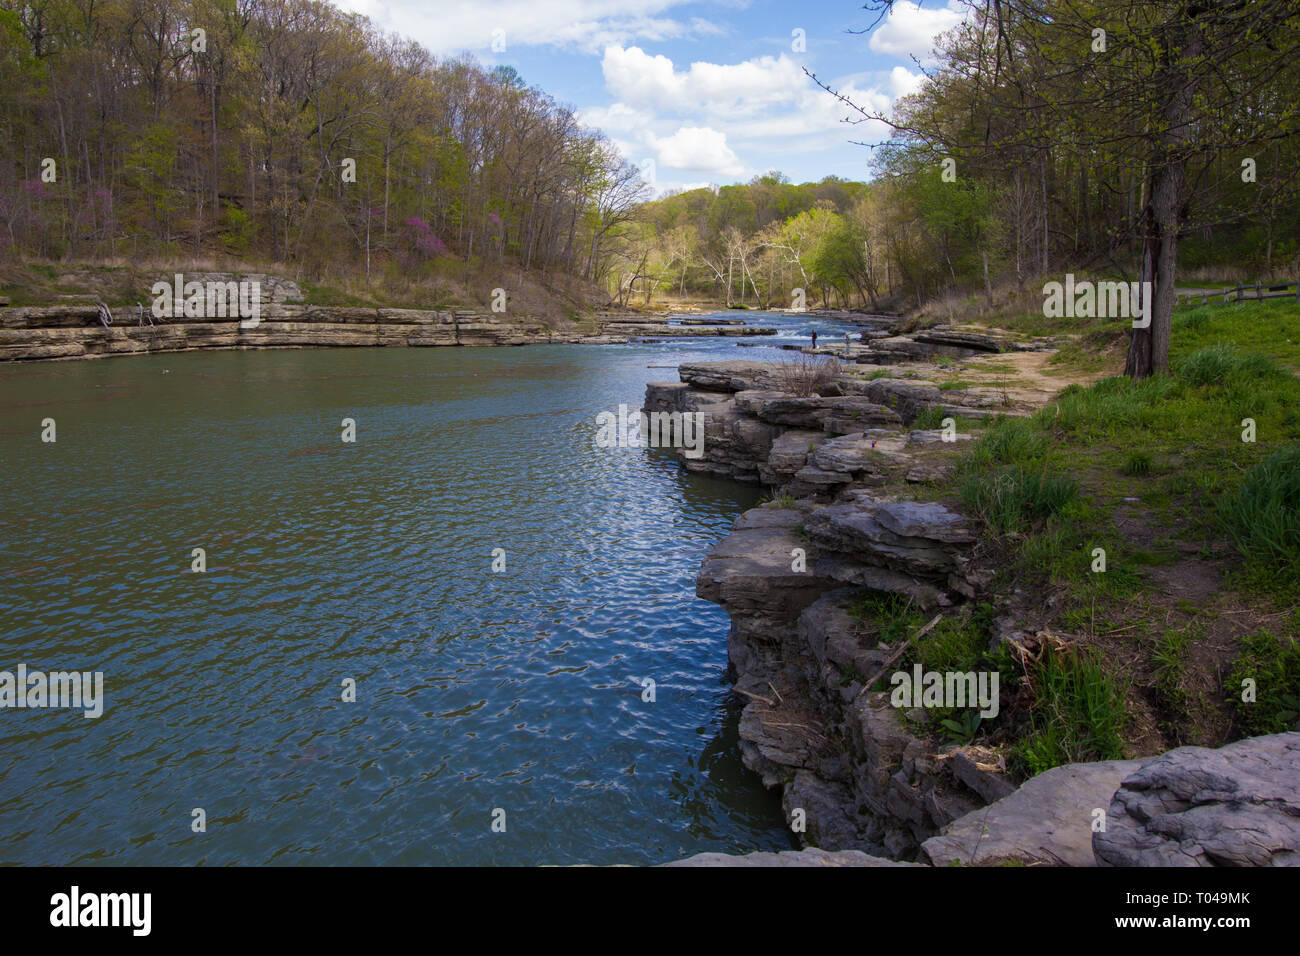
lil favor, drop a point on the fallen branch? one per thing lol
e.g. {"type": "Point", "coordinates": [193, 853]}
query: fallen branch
{"type": "Point", "coordinates": [899, 653]}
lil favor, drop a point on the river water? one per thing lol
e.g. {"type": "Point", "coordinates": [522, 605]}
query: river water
{"type": "Point", "coordinates": [515, 697]}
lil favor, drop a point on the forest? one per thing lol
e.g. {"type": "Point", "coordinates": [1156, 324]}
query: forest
{"type": "Point", "coordinates": [1120, 139]}
{"type": "Point", "coordinates": [1125, 139]}
{"type": "Point", "coordinates": [1027, 152]}
{"type": "Point", "coordinates": [289, 131]}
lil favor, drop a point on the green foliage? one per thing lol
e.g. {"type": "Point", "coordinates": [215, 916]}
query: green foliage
{"type": "Point", "coordinates": [962, 729]}
{"type": "Point", "coordinates": [1011, 441]}
{"type": "Point", "coordinates": [954, 644]}
{"type": "Point", "coordinates": [240, 231]}
{"type": "Point", "coordinates": [1077, 713]}
{"type": "Point", "coordinates": [1014, 498]}
{"type": "Point", "coordinates": [1137, 463]}
{"type": "Point", "coordinates": [1215, 364]}
{"type": "Point", "coordinates": [1274, 665]}
{"type": "Point", "coordinates": [1170, 665]}
{"type": "Point", "coordinates": [928, 418]}
{"type": "Point", "coordinates": [893, 615]}
{"type": "Point", "coordinates": [1262, 515]}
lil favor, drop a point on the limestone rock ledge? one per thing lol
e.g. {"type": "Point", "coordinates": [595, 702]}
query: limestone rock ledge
{"type": "Point", "coordinates": [74, 330]}
{"type": "Point", "coordinates": [1235, 806]}
{"type": "Point", "coordinates": [787, 575]}
{"type": "Point", "coordinates": [807, 857]}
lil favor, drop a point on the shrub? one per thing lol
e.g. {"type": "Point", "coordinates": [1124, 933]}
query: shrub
{"type": "Point", "coordinates": [1016, 497]}
{"type": "Point", "coordinates": [1263, 515]}
{"type": "Point", "coordinates": [1274, 665]}
{"type": "Point", "coordinates": [806, 375]}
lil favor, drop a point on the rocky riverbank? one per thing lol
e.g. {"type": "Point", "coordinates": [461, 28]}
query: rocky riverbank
{"type": "Point", "coordinates": [74, 330]}
{"type": "Point", "coordinates": [852, 515]}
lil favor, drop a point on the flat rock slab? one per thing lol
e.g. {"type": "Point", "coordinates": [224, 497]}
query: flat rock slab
{"type": "Point", "coordinates": [734, 376]}
{"type": "Point", "coordinates": [916, 537]}
{"type": "Point", "coordinates": [769, 517]}
{"type": "Point", "coordinates": [813, 411]}
{"type": "Point", "coordinates": [874, 452]}
{"type": "Point", "coordinates": [750, 571]}
{"type": "Point", "coordinates": [1238, 805]}
{"type": "Point", "coordinates": [932, 436]}
{"type": "Point", "coordinates": [980, 342]}
{"type": "Point", "coordinates": [925, 519]}
{"type": "Point", "coordinates": [808, 857]}
{"type": "Point", "coordinates": [1048, 821]}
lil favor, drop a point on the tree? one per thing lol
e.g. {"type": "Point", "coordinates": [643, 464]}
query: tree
{"type": "Point", "coordinates": [1135, 101]}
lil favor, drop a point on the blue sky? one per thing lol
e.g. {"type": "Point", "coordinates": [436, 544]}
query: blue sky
{"type": "Point", "coordinates": [696, 92]}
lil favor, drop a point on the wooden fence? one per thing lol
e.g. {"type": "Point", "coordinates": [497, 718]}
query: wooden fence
{"type": "Point", "coordinates": [1258, 292]}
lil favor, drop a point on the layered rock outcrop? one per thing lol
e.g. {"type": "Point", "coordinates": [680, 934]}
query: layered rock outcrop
{"type": "Point", "coordinates": [856, 773]}
{"type": "Point", "coordinates": [1235, 806]}
{"type": "Point", "coordinates": [852, 771]}
{"type": "Point", "coordinates": [76, 331]}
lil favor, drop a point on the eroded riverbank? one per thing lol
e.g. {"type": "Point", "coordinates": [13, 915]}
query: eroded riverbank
{"type": "Point", "coordinates": [862, 531]}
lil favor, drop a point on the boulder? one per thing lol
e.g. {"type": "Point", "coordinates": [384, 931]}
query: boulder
{"type": "Point", "coordinates": [1238, 805]}
{"type": "Point", "coordinates": [809, 857]}
{"type": "Point", "coordinates": [1048, 821]}
{"type": "Point", "coordinates": [922, 538]}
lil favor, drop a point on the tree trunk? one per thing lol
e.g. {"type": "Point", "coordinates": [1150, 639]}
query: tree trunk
{"type": "Point", "coordinates": [1149, 348]}
{"type": "Point", "coordinates": [988, 286]}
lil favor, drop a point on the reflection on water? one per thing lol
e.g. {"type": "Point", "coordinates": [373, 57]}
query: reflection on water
{"type": "Point", "coordinates": [520, 690]}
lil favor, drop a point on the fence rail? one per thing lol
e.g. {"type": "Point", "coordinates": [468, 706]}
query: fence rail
{"type": "Point", "coordinates": [1242, 293]}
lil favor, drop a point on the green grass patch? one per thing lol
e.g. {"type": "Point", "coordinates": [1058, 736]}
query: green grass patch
{"type": "Point", "coordinates": [1137, 463]}
{"type": "Point", "coordinates": [1077, 714]}
{"type": "Point", "coordinates": [1272, 666]}
{"type": "Point", "coordinates": [1013, 499]}
{"type": "Point", "coordinates": [1262, 516]}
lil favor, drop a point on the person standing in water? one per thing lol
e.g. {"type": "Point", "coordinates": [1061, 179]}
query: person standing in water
{"type": "Point", "coordinates": [814, 337]}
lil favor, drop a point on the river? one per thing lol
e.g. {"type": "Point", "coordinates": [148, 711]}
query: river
{"type": "Point", "coordinates": [516, 696]}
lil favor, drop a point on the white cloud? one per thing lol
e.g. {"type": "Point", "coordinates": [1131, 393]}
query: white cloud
{"type": "Point", "coordinates": [903, 82]}
{"type": "Point", "coordinates": [697, 149]}
{"type": "Point", "coordinates": [708, 117]}
{"type": "Point", "coordinates": [911, 29]}
{"type": "Point", "coordinates": [653, 82]}
{"type": "Point", "coordinates": [586, 25]}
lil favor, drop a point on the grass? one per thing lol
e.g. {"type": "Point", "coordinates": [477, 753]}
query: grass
{"type": "Point", "coordinates": [1161, 473]}
{"type": "Point", "coordinates": [1013, 499]}
{"type": "Point", "coordinates": [1191, 419]}
{"type": "Point", "coordinates": [1269, 704]}
{"type": "Point", "coordinates": [1170, 658]}
{"type": "Point", "coordinates": [1137, 463]}
{"type": "Point", "coordinates": [893, 615]}
{"type": "Point", "coordinates": [1077, 713]}
{"type": "Point", "coordinates": [1262, 516]}
{"type": "Point", "coordinates": [1271, 327]}
{"type": "Point", "coordinates": [1005, 478]}
{"type": "Point", "coordinates": [931, 417]}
